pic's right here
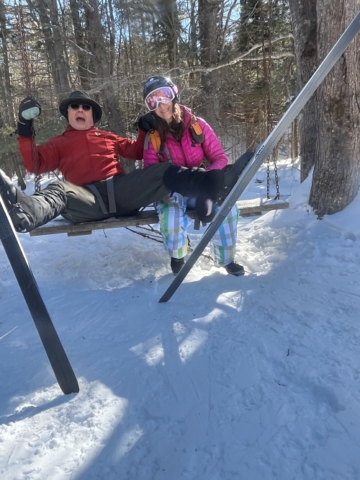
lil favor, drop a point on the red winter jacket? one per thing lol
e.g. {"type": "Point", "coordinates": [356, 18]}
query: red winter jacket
{"type": "Point", "coordinates": [82, 156]}
{"type": "Point", "coordinates": [186, 153]}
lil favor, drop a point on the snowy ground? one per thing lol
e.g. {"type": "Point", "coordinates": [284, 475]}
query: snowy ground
{"type": "Point", "coordinates": [251, 378]}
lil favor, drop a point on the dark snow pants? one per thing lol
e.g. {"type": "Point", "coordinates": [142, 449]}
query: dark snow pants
{"type": "Point", "coordinates": [131, 192]}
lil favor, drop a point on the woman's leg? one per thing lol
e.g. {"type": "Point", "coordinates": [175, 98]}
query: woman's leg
{"type": "Point", "coordinates": [223, 244]}
{"type": "Point", "coordinates": [173, 225]}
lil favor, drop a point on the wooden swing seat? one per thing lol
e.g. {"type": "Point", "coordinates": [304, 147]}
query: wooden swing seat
{"type": "Point", "coordinates": [145, 217]}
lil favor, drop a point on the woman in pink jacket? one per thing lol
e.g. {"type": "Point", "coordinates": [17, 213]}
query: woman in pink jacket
{"type": "Point", "coordinates": [178, 145]}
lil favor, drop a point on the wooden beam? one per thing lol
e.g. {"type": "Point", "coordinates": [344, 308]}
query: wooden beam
{"type": "Point", "coordinates": [146, 217]}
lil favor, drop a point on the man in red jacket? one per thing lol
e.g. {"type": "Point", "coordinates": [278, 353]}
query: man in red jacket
{"type": "Point", "coordinates": [96, 186]}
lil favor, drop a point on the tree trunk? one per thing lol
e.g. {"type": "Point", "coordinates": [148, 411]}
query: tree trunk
{"type": "Point", "coordinates": [337, 173]}
{"type": "Point", "coordinates": [208, 10]}
{"type": "Point", "coordinates": [8, 111]}
{"type": "Point", "coordinates": [82, 55]}
{"type": "Point", "coordinates": [303, 16]}
{"type": "Point", "coordinates": [99, 50]}
{"type": "Point", "coordinates": [169, 21]}
{"type": "Point", "coordinates": [54, 45]}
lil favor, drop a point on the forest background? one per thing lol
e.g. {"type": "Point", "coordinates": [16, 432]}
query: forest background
{"type": "Point", "coordinates": [237, 63]}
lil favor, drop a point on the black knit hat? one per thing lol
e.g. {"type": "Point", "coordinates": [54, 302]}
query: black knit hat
{"type": "Point", "coordinates": [81, 98]}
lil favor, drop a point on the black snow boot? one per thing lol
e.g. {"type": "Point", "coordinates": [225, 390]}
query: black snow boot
{"type": "Point", "coordinates": [205, 186]}
{"type": "Point", "coordinates": [194, 182]}
{"type": "Point", "coordinates": [204, 209]}
{"type": "Point", "coordinates": [231, 174]}
{"type": "Point", "coordinates": [30, 211]}
{"type": "Point", "coordinates": [234, 269]}
{"type": "Point", "coordinates": [212, 184]}
{"type": "Point", "coordinates": [176, 264]}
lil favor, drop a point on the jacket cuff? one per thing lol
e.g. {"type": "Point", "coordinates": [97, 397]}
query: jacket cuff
{"type": "Point", "coordinates": [25, 129]}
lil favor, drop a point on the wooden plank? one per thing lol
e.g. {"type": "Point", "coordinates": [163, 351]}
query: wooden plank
{"type": "Point", "coordinates": [146, 217]}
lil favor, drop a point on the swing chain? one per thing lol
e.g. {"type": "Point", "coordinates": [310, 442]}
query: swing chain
{"type": "Point", "coordinates": [277, 196]}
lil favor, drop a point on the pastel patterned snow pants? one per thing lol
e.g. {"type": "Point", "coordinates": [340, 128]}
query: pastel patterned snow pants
{"type": "Point", "coordinates": [174, 224]}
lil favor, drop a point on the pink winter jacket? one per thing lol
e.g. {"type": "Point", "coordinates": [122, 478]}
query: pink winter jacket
{"type": "Point", "coordinates": [187, 154]}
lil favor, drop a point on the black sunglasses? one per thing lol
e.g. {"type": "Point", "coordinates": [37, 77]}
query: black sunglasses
{"type": "Point", "coordinates": [76, 106]}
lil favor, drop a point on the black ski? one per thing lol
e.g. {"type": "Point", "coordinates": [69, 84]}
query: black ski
{"type": "Point", "coordinates": [49, 337]}
{"type": "Point", "coordinates": [265, 150]}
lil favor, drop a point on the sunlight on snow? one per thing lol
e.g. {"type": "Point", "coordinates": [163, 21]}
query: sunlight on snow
{"type": "Point", "coordinates": [79, 419]}
{"type": "Point", "coordinates": [192, 343]}
{"type": "Point", "coordinates": [127, 442]}
{"type": "Point", "coordinates": [215, 314]}
{"type": "Point", "coordinates": [151, 351]}
{"type": "Point", "coordinates": [232, 299]}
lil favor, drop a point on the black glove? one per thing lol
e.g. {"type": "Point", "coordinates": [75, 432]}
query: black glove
{"type": "Point", "coordinates": [29, 108]}
{"type": "Point", "coordinates": [147, 122]}
{"type": "Point", "coordinates": [24, 129]}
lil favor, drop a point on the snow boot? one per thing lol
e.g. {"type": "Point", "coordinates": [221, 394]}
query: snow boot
{"type": "Point", "coordinates": [30, 211]}
{"type": "Point", "coordinates": [194, 182]}
{"type": "Point", "coordinates": [231, 174]}
{"type": "Point", "coordinates": [212, 185]}
{"type": "Point", "coordinates": [234, 269]}
{"type": "Point", "coordinates": [204, 209]}
{"type": "Point", "coordinates": [176, 264]}
{"type": "Point", "coordinates": [197, 183]}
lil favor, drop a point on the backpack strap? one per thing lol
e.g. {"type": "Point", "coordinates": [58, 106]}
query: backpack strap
{"type": "Point", "coordinates": [196, 131]}
{"type": "Point", "coordinates": [161, 150]}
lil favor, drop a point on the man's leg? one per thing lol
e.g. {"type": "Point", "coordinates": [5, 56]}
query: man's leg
{"type": "Point", "coordinates": [30, 211]}
{"type": "Point", "coordinates": [82, 205]}
{"type": "Point", "coordinates": [140, 188]}
{"type": "Point", "coordinates": [143, 187]}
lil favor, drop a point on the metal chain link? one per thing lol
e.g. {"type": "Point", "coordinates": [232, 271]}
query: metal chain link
{"type": "Point", "coordinates": [268, 178]}
{"type": "Point", "coordinates": [277, 196]}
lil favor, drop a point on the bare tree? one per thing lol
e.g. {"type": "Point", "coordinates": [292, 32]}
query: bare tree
{"type": "Point", "coordinates": [49, 19]}
{"type": "Point", "coordinates": [8, 110]}
{"type": "Point", "coordinates": [100, 52]}
{"type": "Point", "coordinates": [82, 55]}
{"type": "Point", "coordinates": [208, 27]}
{"type": "Point", "coordinates": [304, 24]}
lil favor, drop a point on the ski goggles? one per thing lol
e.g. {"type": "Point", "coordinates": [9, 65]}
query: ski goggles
{"type": "Point", "coordinates": [76, 106]}
{"type": "Point", "coordinates": [160, 95]}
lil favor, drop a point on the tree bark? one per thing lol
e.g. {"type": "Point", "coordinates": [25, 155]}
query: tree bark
{"type": "Point", "coordinates": [99, 50]}
{"type": "Point", "coordinates": [8, 114]}
{"type": "Point", "coordinates": [304, 25]}
{"type": "Point", "coordinates": [337, 173]}
{"type": "Point", "coordinates": [208, 10]}
{"type": "Point", "coordinates": [85, 76]}
{"type": "Point", "coordinates": [50, 24]}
